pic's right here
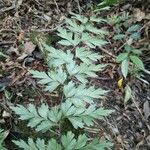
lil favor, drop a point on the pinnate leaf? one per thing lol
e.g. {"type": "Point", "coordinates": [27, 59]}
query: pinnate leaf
{"type": "Point", "coordinates": [125, 67]}
{"type": "Point", "coordinates": [137, 61]}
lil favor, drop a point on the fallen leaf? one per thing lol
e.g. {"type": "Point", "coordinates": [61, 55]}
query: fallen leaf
{"type": "Point", "coordinates": [147, 16]}
{"type": "Point", "coordinates": [146, 109]}
{"type": "Point", "coordinates": [29, 47]}
{"type": "Point", "coordinates": [5, 114]}
{"type": "Point", "coordinates": [48, 18]}
{"type": "Point", "coordinates": [21, 36]}
{"type": "Point", "coordinates": [128, 93]}
{"type": "Point", "coordinates": [125, 67]}
{"type": "Point", "coordinates": [13, 50]}
{"type": "Point", "coordinates": [22, 57]}
{"type": "Point", "coordinates": [2, 121]}
{"type": "Point", "coordinates": [120, 84]}
{"type": "Point", "coordinates": [4, 82]}
{"type": "Point", "coordinates": [139, 15]}
{"type": "Point", "coordinates": [119, 139]}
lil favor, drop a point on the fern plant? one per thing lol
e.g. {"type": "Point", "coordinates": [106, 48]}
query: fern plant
{"type": "Point", "coordinates": [68, 74]}
{"type": "Point", "coordinates": [130, 56]}
{"type": "Point", "coordinates": [2, 137]}
{"type": "Point", "coordinates": [131, 33]}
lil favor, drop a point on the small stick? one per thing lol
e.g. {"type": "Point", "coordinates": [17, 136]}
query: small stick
{"type": "Point", "coordinates": [9, 8]}
{"type": "Point", "coordinates": [7, 42]}
{"type": "Point", "coordinates": [57, 6]}
{"type": "Point", "coordinates": [148, 127]}
{"type": "Point", "coordinates": [105, 51]}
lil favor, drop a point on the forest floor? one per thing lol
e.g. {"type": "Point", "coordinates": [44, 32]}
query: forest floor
{"type": "Point", "coordinates": [24, 21]}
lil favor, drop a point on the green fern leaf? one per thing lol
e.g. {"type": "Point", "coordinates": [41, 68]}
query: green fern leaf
{"type": "Point", "coordinates": [73, 26]}
{"type": "Point", "coordinates": [80, 18]}
{"type": "Point", "coordinates": [42, 119]}
{"type": "Point", "coordinates": [92, 42]}
{"type": "Point", "coordinates": [134, 28]}
{"type": "Point", "coordinates": [81, 116]}
{"type": "Point", "coordinates": [81, 94]}
{"type": "Point", "coordinates": [87, 56]}
{"type": "Point", "coordinates": [69, 39]}
{"type": "Point", "coordinates": [2, 138]}
{"type": "Point", "coordinates": [98, 145]}
{"type": "Point", "coordinates": [90, 69]}
{"type": "Point", "coordinates": [53, 145]}
{"type": "Point", "coordinates": [38, 145]}
{"type": "Point", "coordinates": [98, 20]}
{"type": "Point", "coordinates": [72, 68]}
{"type": "Point", "coordinates": [84, 70]}
{"type": "Point", "coordinates": [57, 57]}
{"type": "Point", "coordinates": [82, 143]}
{"type": "Point", "coordinates": [51, 80]}
{"type": "Point", "coordinates": [30, 145]}
{"type": "Point", "coordinates": [68, 142]}
{"type": "Point", "coordinates": [94, 30]}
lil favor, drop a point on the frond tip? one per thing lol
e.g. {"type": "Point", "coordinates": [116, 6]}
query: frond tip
{"type": "Point", "coordinates": [68, 142]}
{"type": "Point", "coordinates": [42, 119]}
{"type": "Point", "coordinates": [51, 80]}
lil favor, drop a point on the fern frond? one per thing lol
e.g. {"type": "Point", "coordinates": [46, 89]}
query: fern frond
{"type": "Point", "coordinates": [90, 69]}
{"type": "Point", "coordinates": [82, 143]}
{"type": "Point", "coordinates": [68, 142]}
{"type": "Point", "coordinates": [87, 56]}
{"type": "Point", "coordinates": [57, 57]}
{"type": "Point", "coordinates": [94, 30]}
{"type": "Point", "coordinates": [73, 26]}
{"type": "Point", "coordinates": [81, 116]}
{"type": "Point", "coordinates": [77, 100]}
{"type": "Point", "coordinates": [69, 39]}
{"type": "Point", "coordinates": [96, 19]}
{"type": "Point", "coordinates": [51, 80]}
{"type": "Point", "coordinates": [2, 137]}
{"type": "Point", "coordinates": [92, 42]}
{"type": "Point", "coordinates": [83, 71]}
{"type": "Point", "coordinates": [31, 145]}
{"type": "Point", "coordinates": [81, 94]}
{"type": "Point", "coordinates": [80, 18]}
{"type": "Point", "coordinates": [98, 145]}
{"type": "Point", "coordinates": [42, 119]}
{"type": "Point", "coordinates": [39, 144]}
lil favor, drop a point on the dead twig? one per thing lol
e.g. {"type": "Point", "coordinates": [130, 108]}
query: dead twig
{"type": "Point", "coordinates": [9, 8]}
{"type": "Point", "coordinates": [79, 8]}
{"type": "Point", "coordinates": [57, 6]}
{"type": "Point", "coordinates": [7, 42]}
{"type": "Point", "coordinates": [147, 125]}
{"type": "Point", "coordinates": [106, 51]}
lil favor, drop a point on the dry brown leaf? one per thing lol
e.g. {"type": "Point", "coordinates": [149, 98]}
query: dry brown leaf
{"type": "Point", "coordinates": [119, 139]}
{"type": "Point", "coordinates": [21, 36]}
{"type": "Point", "coordinates": [12, 50]}
{"type": "Point", "coordinates": [139, 15]}
{"type": "Point", "coordinates": [29, 47]}
{"type": "Point", "coordinates": [147, 16]}
{"type": "Point", "coordinates": [5, 114]}
{"type": "Point", "coordinates": [22, 57]}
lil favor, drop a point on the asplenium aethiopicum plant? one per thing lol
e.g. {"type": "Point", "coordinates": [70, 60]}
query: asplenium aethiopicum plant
{"type": "Point", "coordinates": [69, 71]}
